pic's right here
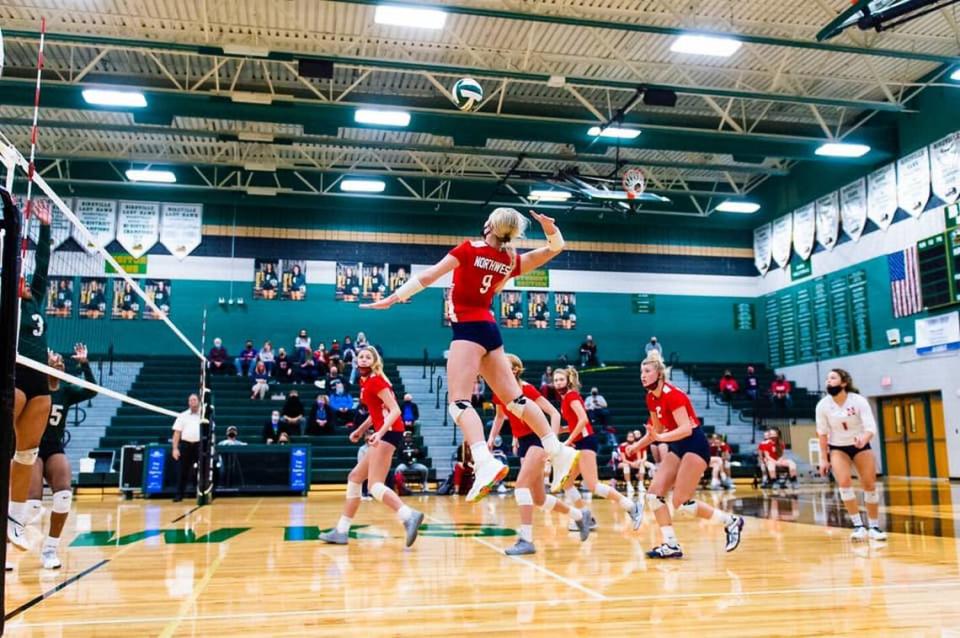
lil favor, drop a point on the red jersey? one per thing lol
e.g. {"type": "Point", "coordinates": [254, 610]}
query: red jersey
{"type": "Point", "coordinates": [370, 389]}
{"type": "Point", "coordinates": [670, 399]}
{"type": "Point", "coordinates": [719, 448]}
{"type": "Point", "coordinates": [517, 426]}
{"type": "Point", "coordinates": [478, 278]}
{"type": "Point", "coordinates": [566, 409]}
{"type": "Point", "coordinates": [626, 455]}
{"type": "Point", "coordinates": [769, 447]}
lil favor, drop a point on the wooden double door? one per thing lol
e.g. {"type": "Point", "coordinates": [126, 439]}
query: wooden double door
{"type": "Point", "coordinates": [914, 436]}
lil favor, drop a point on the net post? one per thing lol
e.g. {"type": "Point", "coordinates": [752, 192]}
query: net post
{"type": "Point", "coordinates": [205, 482]}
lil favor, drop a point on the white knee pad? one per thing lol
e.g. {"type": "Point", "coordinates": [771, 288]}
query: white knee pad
{"type": "Point", "coordinates": [655, 502]}
{"type": "Point", "coordinates": [457, 408]}
{"type": "Point", "coordinates": [872, 497]}
{"type": "Point", "coordinates": [517, 406]}
{"type": "Point", "coordinates": [523, 496]}
{"type": "Point", "coordinates": [26, 457]}
{"type": "Point", "coordinates": [572, 494]}
{"type": "Point", "coordinates": [61, 501]}
{"type": "Point", "coordinates": [602, 490]}
{"type": "Point", "coordinates": [378, 490]}
{"type": "Point", "coordinates": [549, 503]}
{"type": "Point", "coordinates": [354, 490]}
{"type": "Point", "coordinates": [687, 510]}
{"type": "Point", "coordinates": [847, 494]}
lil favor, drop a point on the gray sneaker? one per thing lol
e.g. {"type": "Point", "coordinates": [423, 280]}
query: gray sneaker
{"type": "Point", "coordinates": [412, 525]}
{"type": "Point", "coordinates": [333, 537]}
{"type": "Point", "coordinates": [521, 548]}
{"type": "Point", "coordinates": [583, 525]}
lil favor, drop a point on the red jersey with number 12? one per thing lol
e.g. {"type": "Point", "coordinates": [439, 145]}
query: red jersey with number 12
{"type": "Point", "coordinates": [478, 278]}
{"type": "Point", "coordinates": [670, 399]}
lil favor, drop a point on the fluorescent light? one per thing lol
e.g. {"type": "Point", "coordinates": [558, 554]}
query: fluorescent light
{"type": "Point", "coordinates": [107, 97]}
{"type": "Point", "coordinates": [381, 117]}
{"type": "Point", "coordinates": [250, 50]}
{"type": "Point", "coordinates": [955, 75]}
{"type": "Point", "coordinates": [731, 206]}
{"type": "Point", "coordinates": [261, 167]}
{"type": "Point", "coordinates": [250, 97]}
{"type": "Point", "coordinates": [363, 185]}
{"type": "Point", "coordinates": [410, 17]}
{"type": "Point", "coordinates": [146, 175]}
{"type": "Point", "coordinates": [705, 45]}
{"type": "Point", "coordinates": [613, 131]}
{"type": "Point", "coordinates": [550, 195]}
{"type": "Point", "coordinates": [261, 191]}
{"type": "Point", "coordinates": [840, 149]}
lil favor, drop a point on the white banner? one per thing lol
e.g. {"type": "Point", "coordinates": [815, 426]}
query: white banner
{"type": "Point", "coordinates": [100, 218]}
{"type": "Point", "coordinates": [761, 248]}
{"type": "Point", "coordinates": [913, 182]}
{"type": "Point", "coordinates": [181, 228]}
{"type": "Point", "coordinates": [945, 168]}
{"type": "Point", "coordinates": [853, 208]}
{"type": "Point", "coordinates": [828, 220]}
{"type": "Point", "coordinates": [938, 334]}
{"type": "Point", "coordinates": [782, 237]}
{"type": "Point", "coordinates": [882, 196]}
{"type": "Point", "coordinates": [804, 230]}
{"type": "Point", "coordinates": [59, 226]}
{"type": "Point", "coordinates": [138, 226]}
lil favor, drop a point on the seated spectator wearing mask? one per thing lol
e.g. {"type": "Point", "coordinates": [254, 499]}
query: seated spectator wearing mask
{"type": "Point", "coordinates": [232, 437]}
{"type": "Point", "coordinates": [321, 419]}
{"type": "Point", "coordinates": [409, 412]}
{"type": "Point", "coordinates": [244, 362]}
{"type": "Point", "coordinates": [283, 367]}
{"type": "Point", "coordinates": [728, 386]}
{"type": "Point", "coordinates": [261, 382]}
{"type": "Point", "coordinates": [272, 429]}
{"type": "Point", "coordinates": [588, 353]}
{"type": "Point", "coordinates": [596, 405]}
{"type": "Point", "coordinates": [342, 405]}
{"type": "Point", "coordinates": [292, 414]}
{"type": "Point", "coordinates": [410, 460]}
{"type": "Point", "coordinates": [333, 377]}
{"type": "Point", "coordinates": [218, 361]}
{"type": "Point", "coordinates": [301, 347]}
{"type": "Point", "coordinates": [266, 356]}
{"type": "Point", "coordinates": [751, 384]}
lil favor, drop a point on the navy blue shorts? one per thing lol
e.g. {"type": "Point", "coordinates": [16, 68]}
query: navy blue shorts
{"type": "Point", "coordinates": [850, 450]}
{"type": "Point", "coordinates": [696, 443]}
{"type": "Point", "coordinates": [524, 443]}
{"type": "Point", "coordinates": [483, 333]}
{"type": "Point", "coordinates": [588, 442]}
{"type": "Point", "coordinates": [394, 438]}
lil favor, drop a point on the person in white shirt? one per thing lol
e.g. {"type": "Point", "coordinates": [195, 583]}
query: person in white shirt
{"type": "Point", "coordinates": [186, 444]}
{"type": "Point", "coordinates": [845, 426]}
{"type": "Point", "coordinates": [597, 410]}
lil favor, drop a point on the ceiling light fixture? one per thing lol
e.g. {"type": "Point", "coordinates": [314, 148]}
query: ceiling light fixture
{"type": "Point", "coordinates": [379, 117]}
{"type": "Point", "coordinates": [731, 206]}
{"type": "Point", "coordinates": [363, 185]}
{"type": "Point", "coordinates": [841, 149]}
{"type": "Point", "coordinates": [614, 132]}
{"type": "Point", "coordinates": [110, 97]}
{"type": "Point", "coordinates": [415, 17]}
{"type": "Point", "coordinates": [147, 175]}
{"type": "Point", "coordinates": [705, 45]}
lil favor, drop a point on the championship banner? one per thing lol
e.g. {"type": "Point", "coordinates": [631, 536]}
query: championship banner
{"type": "Point", "coordinates": [945, 168]}
{"type": "Point", "coordinates": [138, 226]}
{"type": "Point", "coordinates": [804, 230]}
{"type": "Point", "coordinates": [853, 208]}
{"type": "Point", "coordinates": [59, 226]}
{"type": "Point", "coordinates": [181, 228]}
{"type": "Point", "coordinates": [100, 218]}
{"type": "Point", "coordinates": [782, 239]}
{"type": "Point", "coordinates": [761, 248]}
{"type": "Point", "coordinates": [828, 220]}
{"type": "Point", "coordinates": [913, 182]}
{"type": "Point", "coordinates": [882, 196]}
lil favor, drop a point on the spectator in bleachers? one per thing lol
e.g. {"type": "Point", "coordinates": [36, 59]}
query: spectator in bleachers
{"type": "Point", "coordinates": [780, 390]}
{"type": "Point", "coordinates": [631, 464]}
{"type": "Point", "coordinates": [320, 358]}
{"type": "Point", "coordinates": [272, 428]}
{"type": "Point", "coordinates": [284, 439]}
{"type": "Point", "coordinates": [347, 353]}
{"type": "Point", "coordinates": [342, 405]}
{"type": "Point", "coordinates": [652, 345]}
{"type": "Point", "coordinates": [218, 360]}
{"type": "Point", "coordinates": [334, 377]}
{"type": "Point", "coordinates": [306, 370]}
{"type": "Point", "coordinates": [267, 357]}
{"type": "Point", "coordinates": [292, 414]}
{"type": "Point", "coordinates": [301, 346]}
{"type": "Point", "coordinates": [361, 342]}
{"type": "Point", "coordinates": [283, 367]}
{"type": "Point", "coordinates": [261, 381]}
{"type": "Point", "coordinates": [719, 463]}
{"type": "Point", "coordinates": [409, 412]}
{"type": "Point", "coordinates": [751, 384]}
{"type": "Point", "coordinates": [546, 382]}
{"type": "Point", "coordinates": [321, 421]}
{"type": "Point", "coordinates": [588, 353]}
{"type": "Point", "coordinates": [771, 453]}
{"type": "Point", "coordinates": [476, 398]}
{"type": "Point", "coordinates": [597, 410]}
{"type": "Point", "coordinates": [232, 437]}
{"type": "Point", "coordinates": [410, 459]}
{"type": "Point", "coordinates": [244, 363]}
{"type": "Point", "coordinates": [335, 354]}
{"type": "Point", "coordinates": [728, 386]}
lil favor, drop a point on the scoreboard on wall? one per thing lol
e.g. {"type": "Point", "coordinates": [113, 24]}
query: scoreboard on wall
{"type": "Point", "coordinates": [938, 260]}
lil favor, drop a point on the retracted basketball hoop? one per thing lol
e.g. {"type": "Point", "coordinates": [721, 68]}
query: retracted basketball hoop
{"type": "Point", "coordinates": [634, 182]}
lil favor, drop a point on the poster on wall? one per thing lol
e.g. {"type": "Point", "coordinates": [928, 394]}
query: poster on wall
{"type": "Point", "coordinates": [913, 182]}
{"type": "Point", "coordinates": [853, 208]}
{"type": "Point", "coordinates": [945, 168]}
{"type": "Point", "coordinates": [538, 310]}
{"type": "Point", "coordinates": [804, 230]}
{"type": "Point", "coordinates": [374, 282]}
{"type": "Point", "coordinates": [100, 218]}
{"type": "Point", "coordinates": [397, 275]}
{"type": "Point", "coordinates": [348, 281]}
{"type": "Point", "coordinates": [565, 310]}
{"type": "Point", "coordinates": [266, 278]}
{"type": "Point", "coordinates": [181, 228]}
{"type": "Point", "coordinates": [293, 285]}
{"type": "Point", "coordinates": [93, 297]}
{"type": "Point", "coordinates": [447, 310]}
{"type": "Point", "coordinates": [138, 226]}
{"type": "Point", "coordinates": [828, 220]}
{"type": "Point", "coordinates": [882, 196]}
{"type": "Point", "coordinates": [158, 291]}
{"type": "Point", "coordinates": [60, 297]}
{"type": "Point", "coordinates": [782, 239]}
{"type": "Point", "coordinates": [126, 302]}
{"type": "Point", "coordinates": [761, 247]}
{"type": "Point", "coordinates": [511, 309]}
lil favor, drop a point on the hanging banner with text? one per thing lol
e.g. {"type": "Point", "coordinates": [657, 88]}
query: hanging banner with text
{"type": "Point", "coordinates": [761, 248]}
{"type": "Point", "coordinates": [882, 196]}
{"type": "Point", "coordinates": [913, 182]}
{"type": "Point", "coordinates": [181, 228]}
{"type": "Point", "coordinates": [138, 226]}
{"type": "Point", "coordinates": [100, 218]}
{"type": "Point", "coordinates": [782, 239]}
{"type": "Point", "coordinates": [945, 168]}
{"type": "Point", "coordinates": [853, 208]}
{"type": "Point", "coordinates": [828, 220]}
{"type": "Point", "coordinates": [804, 230]}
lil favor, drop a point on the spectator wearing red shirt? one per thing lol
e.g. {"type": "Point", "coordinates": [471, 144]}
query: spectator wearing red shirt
{"type": "Point", "coordinates": [771, 456]}
{"type": "Point", "coordinates": [631, 464]}
{"type": "Point", "coordinates": [780, 390]}
{"type": "Point", "coordinates": [720, 463]}
{"type": "Point", "coordinates": [728, 386]}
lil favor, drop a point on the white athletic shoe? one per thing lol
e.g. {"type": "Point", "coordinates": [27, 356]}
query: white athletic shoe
{"type": "Point", "coordinates": [637, 514]}
{"type": "Point", "coordinates": [488, 475]}
{"type": "Point", "coordinates": [17, 534]}
{"type": "Point", "coordinates": [629, 490]}
{"type": "Point", "coordinates": [859, 533]}
{"type": "Point", "coordinates": [714, 485]}
{"type": "Point", "coordinates": [9, 566]}
{"type": "Point", "coordinates": [50, 558]}
{"type": "Point", "coordinates": [37, 515]}
{"type": "Point", "coordinates": [877, 534]}
{"type": "Point", "coordinates": [564, 465]}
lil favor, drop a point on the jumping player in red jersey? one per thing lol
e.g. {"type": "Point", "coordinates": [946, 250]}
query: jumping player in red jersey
{"type": "Point", "coordinates": [376, 394]}
{"type": "Point", "coordinates": [566, 381]}
{"type": "Point", "coordinates": [480, 270]}
{"type": "Point", "coordinates": [675, 423]}
{"type": "Point", "coordinates": [528, 490]}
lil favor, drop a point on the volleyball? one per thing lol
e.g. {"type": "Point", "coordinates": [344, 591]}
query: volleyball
{"type": "Point", "coordinates": [467, 93]}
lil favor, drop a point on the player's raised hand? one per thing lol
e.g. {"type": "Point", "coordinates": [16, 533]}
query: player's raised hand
{"type": "Point", "coordinates": [547, 223]}
{"type": "Point", "coordinates": [80, 353]}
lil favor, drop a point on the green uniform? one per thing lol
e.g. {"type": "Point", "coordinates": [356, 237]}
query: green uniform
{"type": "Point", "coordinates": [33, 327]}
{"type": "Point", "coordinates": [67, 396]}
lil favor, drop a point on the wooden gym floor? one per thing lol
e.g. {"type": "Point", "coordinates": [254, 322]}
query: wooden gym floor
{"type": "Point", "coordinates": [253, 567]}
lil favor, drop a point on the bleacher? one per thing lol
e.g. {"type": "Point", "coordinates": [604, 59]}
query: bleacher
{"type": "Point", "coordinates": [167, 381]}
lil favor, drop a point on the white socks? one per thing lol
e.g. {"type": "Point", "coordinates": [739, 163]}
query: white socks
{"type": "Point", "coordinates": [669, 536]}
{"type": "Point", "coordinates": [51, 543]}
{"type": "Point", "coordinates": [551, 444]}
{"type": "Point", "coordinates": [404, 513]}
{"type": "Point", "coordinates": [854, 518]}
{"type": "Point", "coordinates": [481, 453]}
{"type": "Point", "coordinates": [605, 491]}
{"type": "Point", "coordinates": [526, 533]}
{"type": "Point", "coordinates": [721, 517]}
{"type": "Point", "coordinates": [874, 522]}
{"type": "Point", "coordinates": [343, 525]}
{"type": "Point", "coordinates": [575, 514]}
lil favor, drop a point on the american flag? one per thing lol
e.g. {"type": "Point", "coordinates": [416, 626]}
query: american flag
{"type": "Point", "coordinates": [905, 282]}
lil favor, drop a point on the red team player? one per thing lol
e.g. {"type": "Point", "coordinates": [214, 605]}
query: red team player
{"type": "Point", "coordinates": [528, 490]}
{"type": "Point", "coordinates": [376, 394]}
{"type": "Point", "coordinates": [675, 423]}
{"type": "Point", "coordinates": [481, 269]}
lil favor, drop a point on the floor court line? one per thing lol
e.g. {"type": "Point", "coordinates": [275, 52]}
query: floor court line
{"type": "Point", "coordinates": [497, 604]}
{"type": "Point", "coordinates": [185, 606]}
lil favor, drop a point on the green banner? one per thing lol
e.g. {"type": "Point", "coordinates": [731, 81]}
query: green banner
{"type": "Point", "coordinates": [539, 278]}
{"type": "Point", "coordinates": [131, 265]}
{"type": "Point", "coordinates": [644, 304]}
{"type": "Point", "coordinates": [744, 316]}
{"type": "Point", "coordinates": [800, 270]}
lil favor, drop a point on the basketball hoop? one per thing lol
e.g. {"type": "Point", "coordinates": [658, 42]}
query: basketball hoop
{"type": "Point", "coordinates": [634, 182]}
